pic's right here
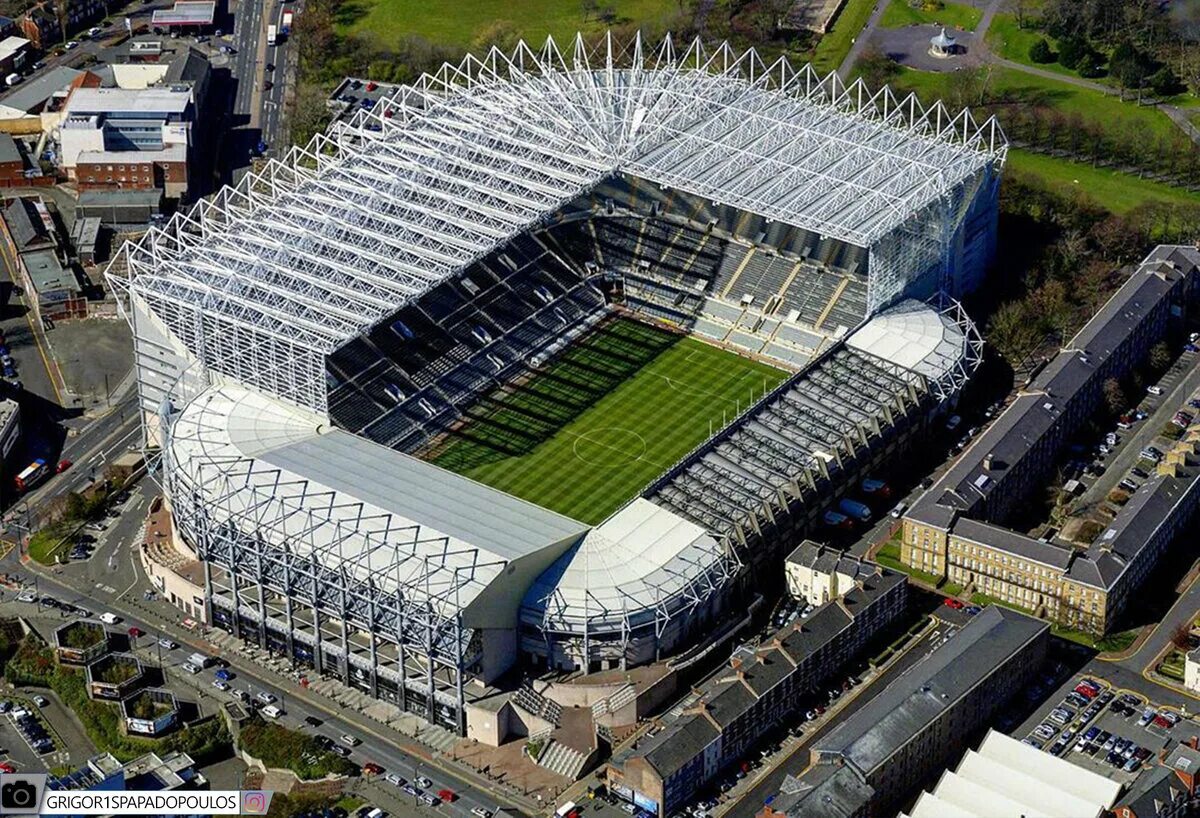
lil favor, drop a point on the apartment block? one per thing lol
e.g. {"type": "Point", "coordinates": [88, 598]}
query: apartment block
{"type": "Point", "coordinates": [752, 694]}
{"type": "Point", "coordinates": [816, 573]}
{"type": "Point", "coordinates": [875, 759]}
{"type": "Point", "coordinates": [958, 530]}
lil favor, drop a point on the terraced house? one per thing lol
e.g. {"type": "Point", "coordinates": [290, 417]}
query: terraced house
{"type": "Point", "coordinates": [759, 687]}
{"type": "Point", "coordinates": [958, 528]}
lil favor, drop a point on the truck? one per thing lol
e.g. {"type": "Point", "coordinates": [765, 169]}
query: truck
{"type": "Point", "coordinates": [200, 660]}
{"type": "Point", "coordinates": [855, 509]}
{"type": "Point", "coordinates": [876, 488]}
{"type": "Point", "coordinates": [31, 475]}
{"type": "Point", "coordinates": [285, 28]}
{"type": "Point", "coordinates": [271, 35]}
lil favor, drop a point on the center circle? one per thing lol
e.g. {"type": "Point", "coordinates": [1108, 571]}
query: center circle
{"type": "Point", "coordinates": [609, 447]}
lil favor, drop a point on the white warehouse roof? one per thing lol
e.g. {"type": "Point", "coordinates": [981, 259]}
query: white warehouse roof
{"type": "Point", "coordinates": [307, 254]}
{"type": "Point", "coordinates": [1006, 778]}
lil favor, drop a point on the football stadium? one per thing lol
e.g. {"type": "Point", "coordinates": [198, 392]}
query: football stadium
{"type": "Point", "coordinates": [535, 364]}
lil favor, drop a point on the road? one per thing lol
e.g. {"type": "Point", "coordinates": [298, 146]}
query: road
{"type": "Point", "coordinates": [100, 585]}
{"type": "Point", "coordinates": [256, 111]}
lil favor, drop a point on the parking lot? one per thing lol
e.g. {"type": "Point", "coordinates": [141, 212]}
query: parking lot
{"type": "Point", "coordinates": [1113, 732]}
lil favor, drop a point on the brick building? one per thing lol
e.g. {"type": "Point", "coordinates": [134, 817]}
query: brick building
{"type": "Point", "coordinates": [897, 741]}
{"type": "Point", "coordinates": [753, 693]}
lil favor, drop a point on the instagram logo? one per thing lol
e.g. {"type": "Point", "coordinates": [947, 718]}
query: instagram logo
{"type": "Point", "coordinates": [255, 802]}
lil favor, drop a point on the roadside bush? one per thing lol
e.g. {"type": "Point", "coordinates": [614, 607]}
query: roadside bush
{"type": "Point", "coordinates": [1040, 52]}
{"type": "Point", "coordinates": [33, 665]}
{"type": "Point", "coordinates": [277, 746]}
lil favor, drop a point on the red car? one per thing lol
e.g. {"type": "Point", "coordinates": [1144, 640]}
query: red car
{"type": "Point", "coordinates": [953, 603]}
{"type": "Point", "coordinates": [447, 795]}
{"type": "Point", "coordinates": [5, 767]}
{"type": "Point", "coordinates": [136, 632]}
{"type": "Point", "coordinates": [63, 465]}
{"type": "Point", "coordinates": [1085, 691]}
{"type": "Point", "coordinates": [371, 768]}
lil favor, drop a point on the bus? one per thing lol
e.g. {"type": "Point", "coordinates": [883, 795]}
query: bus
{"type": "Point", "coordinates": [271, 35]}
{"type": "Point", "coordinates": [31, 475]}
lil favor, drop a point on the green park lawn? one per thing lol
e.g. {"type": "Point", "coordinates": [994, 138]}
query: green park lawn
{"type": "Point", "coordinates": [458, 23]}
{"type": "Point", "coordinates": [1115, 191]}
{"type": "Point", "coordinates": [952, 15]}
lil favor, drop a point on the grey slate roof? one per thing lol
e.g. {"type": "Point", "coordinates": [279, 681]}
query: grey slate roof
{"type": "Point", "coordinates": [448, 502]}
{"type": "Point", "coordinates": [32, 93]}
{"type": "Point", "coordinates": [825, 792]}
{"type": "Point", "coordinates": [869, 737]}
{"type": "Point", "coordinates": [1031, 415]}
{"type": "Point", "coordinates": [25, 226]}
{"type": "Point", "coordinates": [1015, 543]}
{"type": "Point", "coordinates": [8, 149]}
{"type": "Point", "coordinates": [727, 697]}
{"type": "Point", "coordinates": [671, 749]}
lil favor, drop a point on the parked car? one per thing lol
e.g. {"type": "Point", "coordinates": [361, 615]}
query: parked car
{"type": "Point", "coordinates": [109, 618]}
{"type": "Point", "coordinates": [188, 667]}
{"type": "Point", "coordinates": [956, 604]}
{"type": "Point", "coordinates": [349, 740]}
{"type": "Point", "coordinates": [167, 644]}
{"type": "Point", "coordinates": [313, 721]}
{"type": "Point", "coordinates": [371, 768]}
{"type": "Point", "coordinates": [219, 685]}
{"type": "Point", "coordinates": [272, 711]}
{"type": "Point", "coordinates": [41, 701]}
{"type": "Point", "coordinates": [265, 697]}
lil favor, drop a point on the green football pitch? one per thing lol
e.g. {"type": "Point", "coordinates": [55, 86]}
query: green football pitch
{"type": "Point", "coordinates": [609, 415]}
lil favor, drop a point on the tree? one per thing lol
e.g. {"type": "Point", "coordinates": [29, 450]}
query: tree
{"type": "Point", "coordinates": [309, 115]}
{"type": "Point", "coordinates": [1040, 51]}
{"type": "Point", "coordinates": [1071, 51]}
{"type": "Point", "coordinates": [1160, 356]}
{"type": "Point", "coordinates": [1015, 332]}
{"type": "Point", "coordinates": [877, 68]}
{"type": "Point", "coordinates": [1181, 637]}
{"type": "Point", "coordinates": [502, 34]}
{"type": "Point", "coordinates": [1129, 67]}
{"type": "Point", "coordinates": [1115, 399]}
{"type": "Point", "coordinates": [1164, 82]}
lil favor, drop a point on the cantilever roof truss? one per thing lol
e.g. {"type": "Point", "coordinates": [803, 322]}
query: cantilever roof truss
{"type": "Point", "coordinates": [305, 254]}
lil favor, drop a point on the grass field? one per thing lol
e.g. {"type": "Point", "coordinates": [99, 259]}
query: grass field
{"type": "Point", "coordinates": [835, 45]}
{"type": "Point", "coordinates": [458, 23]}
{"type": "Point", "coordinates": [1008, 85]}
{"type": "Point", "coordinates": [611, 414]}
{"type": "Point", "coordinates": [1008, 40]}
{"type": "Point", "coordinates": [953, 15]}
{"type": "Point", "coordinates": [1118, 192]}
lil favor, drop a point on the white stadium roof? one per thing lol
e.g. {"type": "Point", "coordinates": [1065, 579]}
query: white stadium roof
{"type": "Point", "coordinates": [356, 506]}
{"type": "Point", "coordinates": [305, 255]}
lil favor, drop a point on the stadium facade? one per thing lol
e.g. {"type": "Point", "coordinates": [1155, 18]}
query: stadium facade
{"type": "Point", "coordinates": [305, 339]}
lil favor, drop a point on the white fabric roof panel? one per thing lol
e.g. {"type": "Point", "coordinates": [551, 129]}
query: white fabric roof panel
{"type": "Point", "coordinates": [642, 557]}
{"type": "Point", "coordinates": [915, 336]}
{"type": "Point", "coordinates": [1006, 778]}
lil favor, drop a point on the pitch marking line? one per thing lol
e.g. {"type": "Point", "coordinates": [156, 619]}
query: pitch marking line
{"type": "Point", "coordinates": [631, 458]}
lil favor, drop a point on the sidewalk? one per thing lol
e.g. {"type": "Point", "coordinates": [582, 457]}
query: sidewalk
{"type": "Point", "coordinates": [425, 741]}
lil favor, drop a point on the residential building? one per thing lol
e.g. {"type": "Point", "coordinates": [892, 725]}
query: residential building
{"type": "Point", "coordinates": [1167, 789]}
{"type": "Point", "coordinates": [877, 756]}
{"type": "Point", "coordinates": [10, 428]}
{"type": "Point", "coordinates": [51, 288]}
{"type": "Point", "coordinates": [958, 528]}
{"type": "Point", "coordinates": [14, 51]}
{"type": "Point", "coordinates": [755, 692]}
{"type": "Point", "coordinates": [43, 26]}
{"type": "Point", "coordinates": [1007, 778]}
{"type": "Point", "coordinates": [1191, 670]}
{"type": "Point", "coordinates": [816, 573]}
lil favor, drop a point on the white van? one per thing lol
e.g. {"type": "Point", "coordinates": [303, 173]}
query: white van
{"type": "Point", "coordinates": [899, 510]}
{"type": "Point", "coordinates": [272, 711]}
{"type": "Point", "coordinates": [12, 79]}
{"type": "Point", "coordinates": [109, 619]}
